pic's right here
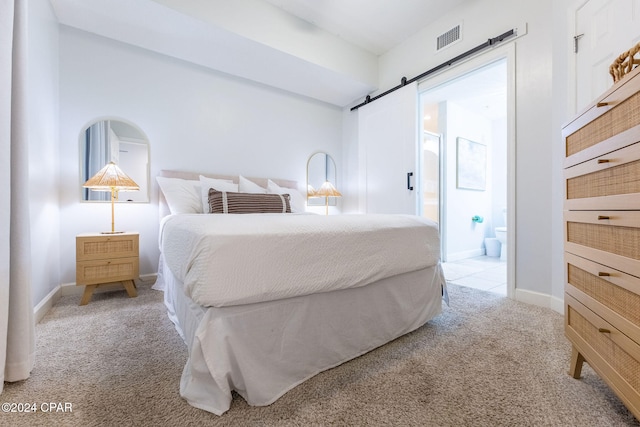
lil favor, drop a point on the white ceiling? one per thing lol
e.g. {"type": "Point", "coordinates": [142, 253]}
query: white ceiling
{"type": "Point", "coordinates": [374, 25]}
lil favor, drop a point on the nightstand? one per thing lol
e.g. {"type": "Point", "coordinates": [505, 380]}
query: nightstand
{"type": "Point", "coordinates": [104, 259]}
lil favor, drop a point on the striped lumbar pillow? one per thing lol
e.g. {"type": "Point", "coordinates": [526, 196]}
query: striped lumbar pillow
{"type": "Point", "coordinates": [226, 202]}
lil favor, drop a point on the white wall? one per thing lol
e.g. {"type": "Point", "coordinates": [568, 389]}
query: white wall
{"type": "Point", "coordinates": [561, 111]}
{"type": "Point", "coordinates": [498, 173]}
{"type": "Point", "coordinates": [535, 132]}
{"type": "Point", "coordinates": [196, 120]}
{"type": "Point", "coordinates": [42, 75]}
{"type": "Point", "coordinates": [464, 238]}
{"type": "Point", "coordinates": [350, 156]}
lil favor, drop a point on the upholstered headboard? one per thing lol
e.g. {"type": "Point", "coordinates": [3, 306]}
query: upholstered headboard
{"type": "Point", "coordinates": [162, 202]}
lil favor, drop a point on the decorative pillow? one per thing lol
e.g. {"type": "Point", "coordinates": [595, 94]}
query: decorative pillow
{"type": "Point", "coordinates": [217, 184]}
{"type": "Point", "coordinates": [182, 195]}
{"type": "Point", "coordinates": [223, 202]}
{"type": "Point", "coordinates": [297, 200]}
{"type": "Point", "coordinates": [247, 186]}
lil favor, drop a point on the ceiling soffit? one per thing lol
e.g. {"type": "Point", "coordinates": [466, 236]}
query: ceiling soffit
{"type": "Point", "coordinates": [150, 25]}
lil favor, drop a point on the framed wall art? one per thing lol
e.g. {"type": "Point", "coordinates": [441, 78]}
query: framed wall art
{"type": "Point", "coordinates": [471, 162]}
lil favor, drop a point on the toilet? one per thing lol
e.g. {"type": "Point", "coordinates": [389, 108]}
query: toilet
{"type": "Point", "coordinates": [501, 235]}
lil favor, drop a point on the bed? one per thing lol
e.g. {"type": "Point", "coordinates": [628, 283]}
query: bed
{"type": "Point", "coordinates": [265, 301]}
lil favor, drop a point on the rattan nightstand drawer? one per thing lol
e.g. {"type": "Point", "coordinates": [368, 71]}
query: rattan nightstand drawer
{"type": "Point", "coordinates": [105, 271]}
{"type": "Point", "coordinates": [96, 246]}
{"type": "Point", "coordinates": [609, 352]}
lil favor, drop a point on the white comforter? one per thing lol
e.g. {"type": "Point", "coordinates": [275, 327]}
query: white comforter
{"type": "Point", "coordinates": [226, 260]}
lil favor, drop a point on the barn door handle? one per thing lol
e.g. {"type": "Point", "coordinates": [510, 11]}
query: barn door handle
{"type": "Point", "coordinates": [409, 186]}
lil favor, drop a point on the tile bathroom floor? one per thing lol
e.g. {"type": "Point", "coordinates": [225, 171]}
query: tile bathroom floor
{"type": "Point", "coordinates": [482, 272]}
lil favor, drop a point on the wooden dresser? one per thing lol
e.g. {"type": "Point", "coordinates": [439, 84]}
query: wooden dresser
{"type": "Point", "coordinates": [106, 258]}
{"type": "Point", "coordinates": [602, 239]}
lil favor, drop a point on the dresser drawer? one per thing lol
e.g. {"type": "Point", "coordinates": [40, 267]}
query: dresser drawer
{"type": "Point", "coordinates": [93, 247]}
{"type": "Point", "coordinates": [105, 271]}
{"type": "Point", "coordinates": [608, 125]}
{"type": "Point", "coordinates": [610, 237]}
{"type": "Point", "coordinates": [608, 351]}
{"type": "Point", "coordinates": [613, 294]}
{"type": "Point", "coordinates": [610, 181]}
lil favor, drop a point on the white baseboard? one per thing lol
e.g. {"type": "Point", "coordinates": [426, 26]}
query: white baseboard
{"type": "Point", "coordinates": [540, 299]}
{"type": "Point", "coordinates": [65, 289]}
{"type": "Point", "coordinates": [557, 304]}
{"type": "Point", "coordinates": [46, 304]}
{"type": "Point", "coordinates": [464, 255]}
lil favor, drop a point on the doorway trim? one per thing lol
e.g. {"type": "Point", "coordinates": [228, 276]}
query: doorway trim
{"type": "Point", "coordinates": [507, 52]}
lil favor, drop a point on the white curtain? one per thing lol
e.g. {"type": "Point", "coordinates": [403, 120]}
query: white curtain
{"type": "Point", "coordinates": [17, 335]}
{"type": "Point", "coordinates": [98, 153]}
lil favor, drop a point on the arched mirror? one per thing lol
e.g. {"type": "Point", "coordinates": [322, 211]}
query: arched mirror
{"type": "Point", "coordinates": [117, 141]}
{"type": "Point", "coordinates": [320, 168]}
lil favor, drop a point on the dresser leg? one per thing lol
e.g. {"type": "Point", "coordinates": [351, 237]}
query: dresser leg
{"type": "Point", "coordinates": [88, 292]}
{"type": "Point", "coordinates": [576, 363]}
{"type": "Point", "coordinates": [130, 286]}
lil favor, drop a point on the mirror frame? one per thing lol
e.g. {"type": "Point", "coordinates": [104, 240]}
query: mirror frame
{"type": "Point", "coordinates": [81, 150]}
{"type": "Point", "coordinates": [328, 174]}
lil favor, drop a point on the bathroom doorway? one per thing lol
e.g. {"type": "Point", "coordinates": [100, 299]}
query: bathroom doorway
{"type": "Point", "coordinates": [465, 169]}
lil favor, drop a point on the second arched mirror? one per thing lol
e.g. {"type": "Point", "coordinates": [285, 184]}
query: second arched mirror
{"type": "Point", "coordinates": [320, 168]}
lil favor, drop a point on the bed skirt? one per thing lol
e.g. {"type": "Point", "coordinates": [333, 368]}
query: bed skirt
{"type": "Point", "coordinates": [262, 350]}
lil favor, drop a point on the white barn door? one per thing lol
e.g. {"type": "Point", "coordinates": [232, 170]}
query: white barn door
{"type": "Point", "coordinates": [604, 30]}
{"type": "Point", "coordinates": [387, 129]}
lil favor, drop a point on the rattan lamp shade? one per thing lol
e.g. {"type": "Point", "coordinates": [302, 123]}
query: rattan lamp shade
{"type": "Point", "coordinates": [311, 192]}
{"type": "Point", "coordinates": [327, 190]}
{"type": "Point", "coordinates": [111, 178]}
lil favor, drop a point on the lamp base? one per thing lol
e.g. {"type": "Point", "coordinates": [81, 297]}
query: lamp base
{"type": "Point", "coordinates": [111, 232]}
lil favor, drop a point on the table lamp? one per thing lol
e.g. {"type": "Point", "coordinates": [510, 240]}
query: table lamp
{"type": "Point", "coordinates": [327, 190]}
{"type": "Point", "coordinates": [111, 178]}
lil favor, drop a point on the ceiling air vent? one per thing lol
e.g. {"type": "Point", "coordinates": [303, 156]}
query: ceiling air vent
{"type": "Point", "coordinates": [448, 38]}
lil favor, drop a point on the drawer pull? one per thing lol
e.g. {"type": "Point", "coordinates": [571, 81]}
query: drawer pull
{"type": "Point", "coordinates": [603, 160]}
{"type": "Point", "coordinates": [601, 217]}
{"type": "Point", "coordinates": [603, 274]}
{"type": "Point", "coordinates": [602, 104]}
{"type": "Point", "coordinates": [604, 330]}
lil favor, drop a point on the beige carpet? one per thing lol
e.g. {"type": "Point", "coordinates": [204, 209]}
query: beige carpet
{"type": "Point", "coordinates": [486, 361]}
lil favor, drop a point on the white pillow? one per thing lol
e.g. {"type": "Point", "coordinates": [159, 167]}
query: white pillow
{"type": "Point", "coordinates": [216, 184]}
{"type": "Point", "coordinates": [247, 186]}
{"type": "Point", "coordinates": [295, 197]}
{"type": "Point", "coordinates": [182, 195]}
